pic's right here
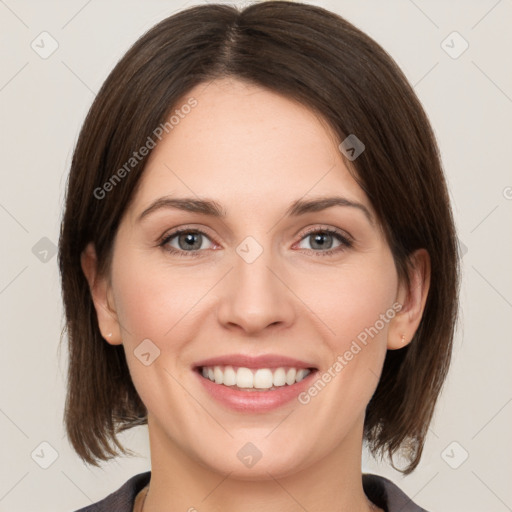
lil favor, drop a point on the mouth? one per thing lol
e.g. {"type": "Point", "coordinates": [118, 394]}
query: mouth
{"type": "Point", "coordinates": [254, 384]}
{"type": "Point", "coordinates": [254, 379]}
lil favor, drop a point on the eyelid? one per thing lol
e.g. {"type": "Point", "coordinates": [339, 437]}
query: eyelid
{"type": "Point", "coordinates": [329, 229]}
{"type": "Point", "coordinates": [175, 231]}
{"type": "Point", "coordinates": [164, 239]}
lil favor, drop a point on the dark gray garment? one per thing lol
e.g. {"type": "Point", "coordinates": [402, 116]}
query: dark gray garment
{"type": "Point", "coordinates": [381, 491]}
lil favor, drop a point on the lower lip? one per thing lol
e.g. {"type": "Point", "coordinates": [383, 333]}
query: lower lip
{"type": "Point", "coordinates": [255, 401]}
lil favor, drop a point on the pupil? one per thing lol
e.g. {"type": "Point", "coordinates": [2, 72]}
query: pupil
{"type": "Point", "coordinates": [318, 240]}
{"type": "Point", "coordinates": [189, 240]}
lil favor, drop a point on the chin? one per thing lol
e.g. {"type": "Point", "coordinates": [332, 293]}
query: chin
{"type": "Point", "coordinates": [252, 461]}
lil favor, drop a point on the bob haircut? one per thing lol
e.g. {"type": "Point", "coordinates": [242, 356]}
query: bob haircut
{"type": "Point", "coordinates": [316, 57]}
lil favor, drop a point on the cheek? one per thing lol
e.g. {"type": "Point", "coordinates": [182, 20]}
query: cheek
{"type": "Point", "coordinates": [352, 299]}
{"type": "Point", "coordinates": [151, 300]}
{"type": "Point", "coordinates": [156, 304]}
{"type": "Point", "coordinates": [357, 310]}
{"type": "Point", "coordinates": [160, 303]}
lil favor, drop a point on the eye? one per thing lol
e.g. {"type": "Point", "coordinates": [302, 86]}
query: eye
{"type": "Point", "coordinates": [185, 240]}
{"type": "Point", "coordinates": [191, 242]}
{"type": "Point", "coordinates": [322, 240]}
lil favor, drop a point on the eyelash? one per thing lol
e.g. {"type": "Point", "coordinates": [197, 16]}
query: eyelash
{"type": "Point", "coordinates": [346, 243]}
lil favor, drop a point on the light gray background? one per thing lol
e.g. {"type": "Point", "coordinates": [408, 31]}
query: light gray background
{"type": "Point", "coordinates": [43, 103]}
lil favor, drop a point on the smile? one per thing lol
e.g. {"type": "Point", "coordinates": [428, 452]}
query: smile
{"type": "Point", "coordinates": [255, 379]}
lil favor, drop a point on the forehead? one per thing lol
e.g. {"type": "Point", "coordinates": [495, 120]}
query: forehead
{"type": "Point", "coordinates": [241, 143]}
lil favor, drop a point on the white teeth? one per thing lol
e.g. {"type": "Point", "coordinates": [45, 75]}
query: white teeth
{"type": "Point", "coordinates": [301, 374]}
{"type": "Point", "coordinates": [229, 376]}
{"type": "Point", "coordinates": [279, 378]}
{"type": "Point", "coordinates": [290, 376]}
{"type": "Point", "coordinates": [218, 374]}
{"type": "Point", "coordinates": [262, 378]}
{"type": "Point", "coordinates": [244, 378]}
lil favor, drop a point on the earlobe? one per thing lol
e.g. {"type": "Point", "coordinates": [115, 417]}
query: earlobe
{"type": "Point", "coordinates": [101, 295]}
{"type": "Point", "coordinates": [412, 299]}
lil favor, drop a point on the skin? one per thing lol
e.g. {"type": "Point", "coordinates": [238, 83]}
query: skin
{"type": "Point", "coordinates": [254, 152]}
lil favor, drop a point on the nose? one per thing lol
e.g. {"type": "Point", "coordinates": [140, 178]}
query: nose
{"type": "Point", "coordinates": [255, 296]}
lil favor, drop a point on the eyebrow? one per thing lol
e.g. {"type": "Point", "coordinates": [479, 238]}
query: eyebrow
{"type": "Point", "coordinates": [214, 209]}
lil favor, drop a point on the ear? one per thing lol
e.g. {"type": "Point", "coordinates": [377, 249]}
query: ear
{"type": "Point", "coordinates": [102, 297]}
{"type": "Point", "coordinates": [413, 298]}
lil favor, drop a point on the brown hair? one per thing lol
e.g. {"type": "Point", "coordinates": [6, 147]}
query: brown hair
{"type": "Point", "coordinates": [318, 58]}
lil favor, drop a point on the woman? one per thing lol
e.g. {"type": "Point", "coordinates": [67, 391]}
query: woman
{"type": "Point", "coordinates": [259, 261]}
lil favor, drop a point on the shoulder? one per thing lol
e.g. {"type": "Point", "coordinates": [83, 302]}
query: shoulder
{"type": "Point", "coordinates": [122, 499]}
{"type": "Point", "coordinates": [387, 495]}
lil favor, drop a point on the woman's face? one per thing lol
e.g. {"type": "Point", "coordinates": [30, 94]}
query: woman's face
{"type": "Point", "coordinates": [257, 295]}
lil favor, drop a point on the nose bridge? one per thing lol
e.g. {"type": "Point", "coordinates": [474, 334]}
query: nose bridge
{"type": "Point", "coordinates": [254, 297]}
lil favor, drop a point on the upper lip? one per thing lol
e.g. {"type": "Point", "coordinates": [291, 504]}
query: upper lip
{"type": "Point", "coordinates": [261, 361]}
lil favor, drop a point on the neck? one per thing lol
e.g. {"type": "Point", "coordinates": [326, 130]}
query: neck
{"type": "Point", "coordinates": [180, 482]}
